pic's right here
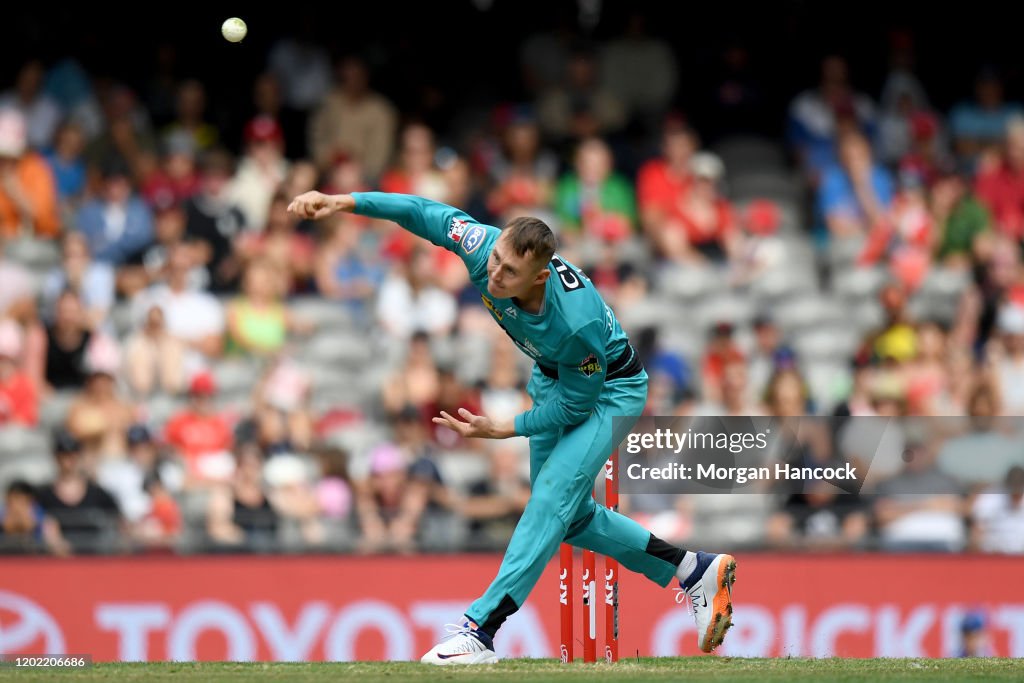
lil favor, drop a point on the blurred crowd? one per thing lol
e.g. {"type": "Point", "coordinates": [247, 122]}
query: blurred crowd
{"type": "Point", "coordinates": [184, 366]}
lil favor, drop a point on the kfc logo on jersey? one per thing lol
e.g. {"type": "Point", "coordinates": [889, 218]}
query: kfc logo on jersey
{"type": "Point", "coordinates": [456, 229]}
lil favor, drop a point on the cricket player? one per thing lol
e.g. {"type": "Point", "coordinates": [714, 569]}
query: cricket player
{"type": "Point", "coordinates": [586, 372]}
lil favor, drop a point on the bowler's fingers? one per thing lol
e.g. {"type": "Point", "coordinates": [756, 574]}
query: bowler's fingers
{"type": "Point", "coordinates": [307, 209]}
{"type": "Point", "coordinates": [450, 422]}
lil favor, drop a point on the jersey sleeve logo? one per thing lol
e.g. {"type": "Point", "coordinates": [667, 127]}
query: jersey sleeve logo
{"type": "Point", "coordinates": [473, 239]}
{"type": "Point", "coordinates": [456, 229]}
{"type": "Point", "coordinates": [570, 279]}
{"type": "Point", "coordinates": [589, 366]}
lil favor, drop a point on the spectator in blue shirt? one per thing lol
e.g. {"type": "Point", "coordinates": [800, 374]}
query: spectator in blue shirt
{"type": "Point", "coordinates": [24, 526]}
{"type": "Point", "coordinates": [818, 116]}
{"type": "Point", "coordinates": [982, 122]}
{"type": "Point", "coordinates": [67, 161]}
{"type": "Point", "coordinates": [344, 273]}
{"type": "Point", "coordinates": [856, 193]}
{"type": "Point", "coordinates": [118, 224]}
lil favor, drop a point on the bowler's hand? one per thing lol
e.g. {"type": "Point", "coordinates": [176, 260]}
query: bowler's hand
{"type": "Point", "coordinates": [479, 426]}
{"type": "Point", "coordinates": [318, 205]}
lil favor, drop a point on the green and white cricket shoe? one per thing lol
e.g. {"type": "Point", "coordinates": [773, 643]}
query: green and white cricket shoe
{"type": "Point", "coordinates": [463, 645]}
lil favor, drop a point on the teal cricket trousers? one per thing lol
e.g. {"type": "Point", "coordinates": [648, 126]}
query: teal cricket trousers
{"type": "Point", "coordinates": [563, 467]}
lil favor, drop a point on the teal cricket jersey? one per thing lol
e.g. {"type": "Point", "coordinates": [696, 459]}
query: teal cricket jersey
{"type": "Point", "coordinates": [575, 334]}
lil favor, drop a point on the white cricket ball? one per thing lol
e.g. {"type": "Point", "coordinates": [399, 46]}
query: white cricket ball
{"type": "Point", "coordinates": [234, 29]}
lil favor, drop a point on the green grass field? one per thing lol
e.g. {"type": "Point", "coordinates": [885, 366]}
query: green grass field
{"type": "Point", "coordinates": [711, 669]}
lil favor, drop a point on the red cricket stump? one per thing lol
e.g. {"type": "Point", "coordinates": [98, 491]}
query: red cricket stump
{"type": "Point", "coordinates": [591, 597]}
{"type": "Point", "coordinates": [589, 606]}
{"type": "Point", "coordinates": [611, 566]}
{"type": "Point", "coordinates": [565, 601]}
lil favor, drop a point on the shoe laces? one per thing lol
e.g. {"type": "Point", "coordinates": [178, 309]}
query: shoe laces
{"type": "Point", "coordinates": [682, 594]}
{"type": "Point", "coordinates": [470, 644]}
{"type": "Point", "coordinates": [457, 630]}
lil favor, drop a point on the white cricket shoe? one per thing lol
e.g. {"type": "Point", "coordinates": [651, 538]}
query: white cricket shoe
{"type": "Point", "coordinates": [709, 588]}
{"type": "Point", "coordinates": [463, 645]}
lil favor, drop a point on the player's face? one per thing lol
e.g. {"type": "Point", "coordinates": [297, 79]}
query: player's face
{"type": "Point", "coordinates": [510, 275]}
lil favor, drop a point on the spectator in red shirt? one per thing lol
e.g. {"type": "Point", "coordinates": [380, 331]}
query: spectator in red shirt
{"type": "Point", "coordinates": [162, 525]}
{"type": "Point", "coordinates": [172, 178]}
{"type": "Point", "coordinates": [703, 225]}
{"type": "Point", "coordinates": [524, 173]}
{"type": "Point", "coordinates": [721, 351]}
{"type": "Point", "coordinates": [927, 155]}
{"type": "Point", "coordinates": [415, 173]}
{"type": "Point", "coordinates": [906, 235]}
{"type": "Point", "coordinates": [1000, 183]}
{"type": "Point", "coordinates": [201, 435]}
{"type": "Point", "coordinates": [662, 183]}
{"type": "Point", "coordinates": [19, 396]}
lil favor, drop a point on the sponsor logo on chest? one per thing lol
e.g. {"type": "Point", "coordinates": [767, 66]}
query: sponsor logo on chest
{"type": "Point", "coordinates": [492, 308]}
{"type": "Point", "coordinates": [530, 348]}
